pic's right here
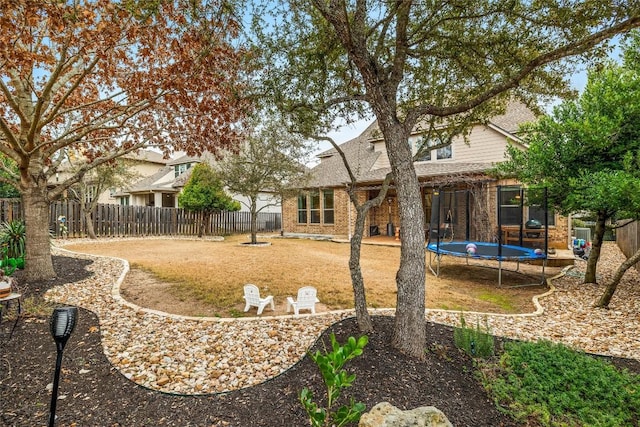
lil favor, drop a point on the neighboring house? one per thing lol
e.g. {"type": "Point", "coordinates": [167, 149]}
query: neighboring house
{"type": "Point", "coordinates": [162, 188]}
{"type": "Point", "coordinates": [140, 164]}
{"type": "Point", "coordinates": [323, 206]}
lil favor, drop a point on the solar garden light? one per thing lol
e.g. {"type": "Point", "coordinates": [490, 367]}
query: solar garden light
{"type": "Point", "coordinates": [62, 322]}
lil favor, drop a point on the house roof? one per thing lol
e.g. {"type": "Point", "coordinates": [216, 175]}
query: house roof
{"type": "Point", "coordinates": [432, 170]}
{"type": "Point", "coordinates": [515, 114]}
{"type": "Point", "coordinates": [160, 181]}
{"type": "Point", "coordinates": [186, 159]}
{"type": "Point", "coordinates": [146, 156]}
{"type": "Point", "coordinates": [165, 180]}
{"type": "Point", "coordinates": [360, 154]}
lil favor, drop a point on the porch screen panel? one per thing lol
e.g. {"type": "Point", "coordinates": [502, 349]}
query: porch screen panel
{"type": "Point", "coordinates": [302, 209]}
{"type": "Point", "coordinates": [314, 207]}
{"type": "Point", "coordinates": [510, 206]}
{"type": "Point", "coordinates": [535, 197]}
{"type": "Point", "coordinates": [327, 211]}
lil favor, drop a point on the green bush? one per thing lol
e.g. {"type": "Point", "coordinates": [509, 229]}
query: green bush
{"type": "Point", "coordinates": [476, 342]}
{"type": "Point", "coordinates": [12, 239]}
{"type": "Point", "coordinates": [558, 386]}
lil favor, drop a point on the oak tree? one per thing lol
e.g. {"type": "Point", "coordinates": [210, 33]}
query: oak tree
{"type": "Point", "coordinates": [587, 154]}
{"type": "Point", "coordinates": [269, 160]}
{"type": "Point", "coordinates": [409, 62]}
{"type": "Point", "coordinates": [103, 78]}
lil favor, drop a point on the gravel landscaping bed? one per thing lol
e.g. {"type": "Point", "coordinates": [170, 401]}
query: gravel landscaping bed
{"type": "Point", "coordinates": [126, 365]}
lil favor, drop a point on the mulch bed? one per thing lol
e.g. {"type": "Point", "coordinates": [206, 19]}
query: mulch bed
{"type": "Point", "coordinates": [93, 393]}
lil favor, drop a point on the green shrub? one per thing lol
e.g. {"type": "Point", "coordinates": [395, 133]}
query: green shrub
{"type": "Point", "coordinates": [9, 265]}
{"type": "Point", "coordinates": [335, 379]}
{"type": "Point", "coordinates": [558, 386]}
{"type": "Point", "coordinates": [12, 239]}
{"type": "Point", "coordinates": [476, 342]}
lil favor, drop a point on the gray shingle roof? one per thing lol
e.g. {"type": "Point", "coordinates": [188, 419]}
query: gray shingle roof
{"type": "Point", "coordinates": [185, 159]}
{"type": "Point", "coordinates": [331, 171]}
{"type": "Point", "coordinates": [147, 156]}
{"type": "Point", "coordinates": [516, 114]}
{"type": "Point", "coordinates": [153, 182]}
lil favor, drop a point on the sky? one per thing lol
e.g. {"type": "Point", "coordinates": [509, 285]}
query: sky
{"type": "Point", "coordinates": [346, 133]}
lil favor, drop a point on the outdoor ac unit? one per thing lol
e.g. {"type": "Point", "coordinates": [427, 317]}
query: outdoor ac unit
{"type": "Point", "coordinates": [583, 233]}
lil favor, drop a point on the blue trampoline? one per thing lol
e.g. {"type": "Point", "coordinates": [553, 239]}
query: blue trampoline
{"type": "Point", "coordinates": [485, 251]}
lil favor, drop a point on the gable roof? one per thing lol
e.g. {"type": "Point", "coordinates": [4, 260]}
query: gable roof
{"type": "Point", "coordinates": [359, 153]}
{"type": "Point", "coordinates": [331, 172]}
{"type": "Point", "coordinates": [160, 181]}
{"type": "Point", "coordinates": [146, 156]}
{"type": "Point", "coordinates": [186, 159]}
{"type": "Point", "coordinates": [515, 114]}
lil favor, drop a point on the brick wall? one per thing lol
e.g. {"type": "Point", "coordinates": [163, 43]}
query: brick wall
{"type": "Point", "coordinates": [341, 217]}
{"type": "Point", "coordinates": [377, 216]}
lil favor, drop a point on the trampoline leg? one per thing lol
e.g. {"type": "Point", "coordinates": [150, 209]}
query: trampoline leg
{"type": "Point", "coordinates": [431, 265]}
{"type": "Point", "coordinates": [499, 273]}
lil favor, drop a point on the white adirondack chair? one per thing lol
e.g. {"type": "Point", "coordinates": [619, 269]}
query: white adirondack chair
{"type": "Point", "coordinates": [306, 300]}
{"type": "Point", "coordinates": [252, 299]}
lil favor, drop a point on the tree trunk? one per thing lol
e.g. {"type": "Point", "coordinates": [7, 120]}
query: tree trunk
{"type": "Point", "coordinates": [484, 230]}
{"type": "Point", "coordinates": [38, 263]}
{"type": "Point", "coordinates": [203, 219]}
{"type": "Point", "coordinates": [91, 232]}
{"type": "Point", "coordinates": [409, 334]}
{"type": "Point", "coordinates": [605, 299]}
{"type": "Point", "coordinates": [596, 246]}
{"type": "Point", "coordinates": [362, 314]}
{"type": "Point", "coordinates": [254, 221]}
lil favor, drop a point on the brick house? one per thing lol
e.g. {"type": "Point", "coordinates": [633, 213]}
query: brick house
{"type": "Point", "coordinates": [323, 208]}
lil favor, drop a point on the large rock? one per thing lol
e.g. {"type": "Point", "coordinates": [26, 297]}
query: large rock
{"type": "Point", "coordinates": [386, 415]}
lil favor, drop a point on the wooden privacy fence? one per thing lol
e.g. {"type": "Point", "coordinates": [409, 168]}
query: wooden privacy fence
{"type": "Point", "coordinates": [110, 220]}
{"type": "Point", "coordinates": [628, 239]}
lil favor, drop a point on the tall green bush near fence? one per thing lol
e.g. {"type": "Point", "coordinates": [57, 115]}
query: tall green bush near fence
{"type": "Point", "coordinates": [111, 220]}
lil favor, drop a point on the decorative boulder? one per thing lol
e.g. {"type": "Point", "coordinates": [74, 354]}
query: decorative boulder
{"type": "Point", "coordinates": [385, 414]}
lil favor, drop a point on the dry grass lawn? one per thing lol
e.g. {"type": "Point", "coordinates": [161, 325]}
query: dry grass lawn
{"type": "Point", "coordinates": [205, 278]}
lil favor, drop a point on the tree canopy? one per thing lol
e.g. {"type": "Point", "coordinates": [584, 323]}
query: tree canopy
{"type": "Point", "coordinates": [419, 64]}
{"type": "Point", "coordinates": [586, 153]}
{"type": "Point", "coordinates": [204, 192]}
{"type": "Point", "coordinates": [269, 160]}
{"type": "Point", "coordinates": [101, 78]}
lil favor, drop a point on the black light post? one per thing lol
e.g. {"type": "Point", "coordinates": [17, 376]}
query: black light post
{"type": "Point", "coordinates": [62, 322]}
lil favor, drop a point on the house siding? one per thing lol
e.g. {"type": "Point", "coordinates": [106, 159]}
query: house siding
{"type": "Point", "coordinates": [487, 145]}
